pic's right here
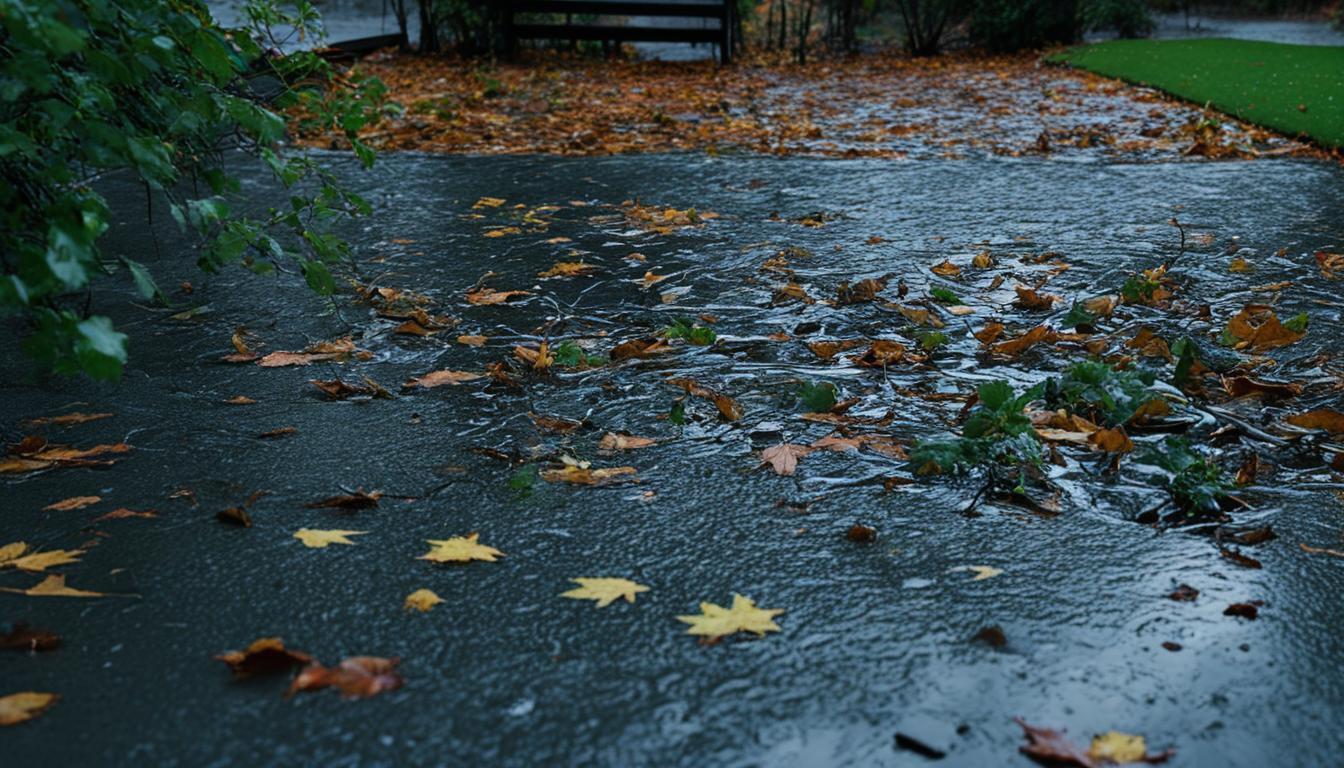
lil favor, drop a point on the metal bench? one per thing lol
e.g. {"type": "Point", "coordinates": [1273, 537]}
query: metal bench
{"type": "Point", "coordinates": [721, 10]}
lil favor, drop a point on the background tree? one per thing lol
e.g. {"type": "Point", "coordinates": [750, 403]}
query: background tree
{"type": "Point", "coordinates": [157, 91]}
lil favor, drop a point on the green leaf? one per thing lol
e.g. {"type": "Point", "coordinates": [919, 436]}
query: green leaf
{"type": "Point", "coordinates": [944, 296]}
{"type": "Point", "coordinates": [318, 277]}
{"type": "Point", "coordinates": [144, 282]}
{"type": "Point", "coordinates": [817, 398]}
{"type": "Point", "coordinates": [101, 350]}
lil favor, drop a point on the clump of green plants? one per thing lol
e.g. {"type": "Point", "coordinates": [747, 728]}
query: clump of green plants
{"type": "Point", "coordinates": [567, 354]}
{"type": "Point", "coordinates": [1079, 316]}
{"type": "Point", "coordinates": [690, 331]}
{"type": "Point", "coordinates": [998, 431]}
{"type": "Point", "coordinates": [1102, 394]}
{"type": "Point", "coordinates": [1195, 481]}
{"type": "Point", "coordinates": [1139, 289]}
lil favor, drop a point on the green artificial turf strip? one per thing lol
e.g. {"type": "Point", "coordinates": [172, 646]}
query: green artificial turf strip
{"type": "Point", "coordinates": [1267, 84]}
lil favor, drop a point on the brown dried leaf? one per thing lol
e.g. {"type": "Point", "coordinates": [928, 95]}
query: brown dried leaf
{"type": "Point", "coordinates": [266, 656]}
{"type": "Point", "coordinates": [728, 407]}
{"type": "Point", "coordinates": [783, 458]}
{"type": "Point", "coordinates": [440, 378]}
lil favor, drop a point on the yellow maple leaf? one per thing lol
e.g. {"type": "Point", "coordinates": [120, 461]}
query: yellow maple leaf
{"type": "Point", "coordinates": [41, 561]}
{"type": "Point", "coordinates": [21, 707]}
{"type": "Point", "coordinates": [489, 202]}
{"type": "Point", "coordinates": [422, 600]}
{"type": "Point", "coordinates": [1117, 747]}
{"type": "Point", "coordinates": [716, 621]}
{"type": "Point", "coordinates": [320, 539]}
{"type": "Point", "coordinates": [52, 586]}
{"type": "Point", "coordinates": [460, 549]}
{"type": "Point", "coordinates": [604, 591]}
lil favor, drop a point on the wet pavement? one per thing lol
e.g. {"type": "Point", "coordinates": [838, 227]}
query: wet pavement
{"type": "Point", "coordinates": [1295, 31]}
{"type": "Point", "coordinates": [876, 637]}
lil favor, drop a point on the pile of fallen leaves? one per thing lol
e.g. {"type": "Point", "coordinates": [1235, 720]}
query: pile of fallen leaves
{"type": "Point", "coordinates": [946, 106]}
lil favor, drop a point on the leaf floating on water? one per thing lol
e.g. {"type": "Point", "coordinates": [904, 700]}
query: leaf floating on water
{"type": "Point", "coordinates": [640, 348]}
{"type": "Point", "coordinates": [570, 269]}
{"type": "Point", "coordinates": [21, 707]}
{"type": "Point", "coordinates": [1051, 747]}
{"type": "Point", "coordinates": [422, 600]}
{"type": "Point", "coordinates": [440, 378]}
{"type": "Point", "coordinates": [360, 499]}
{"type": "Point", "coordinates": [945, 269]}
{"type": "Point", "coordinates": [981, 572]}
{"type": "Point", "coordinates": [587, 476]}
{"type": "Point", "coordinates": [715, 621]}
{"type": "Point", "coordinates": [472, 341]}
{"type": "Point", "coordinates": [880, 354]}
{"type": "Point", "coordinates": [320, 539]}
{"type": "Point", "coordinates": [121, 513]}
{"type": "Point", "coordinates": [19, 636]}
{"type": "Point", "coordinates": [52, 586]}
{"type": "Point", "coordinates": [1257, 327]}
{"type": "Point", "coordinates": [1032, 301]}
{"type": "Point", "coordinates": [64, 420]}
{"type": "Point", "coordinates": [34, 453]}
{"type": "Point", "coordinates": [488, 202]}
{"type": "Point", "coordinates": [460, 549]}
{"type": "Point", "coordinates": [266, 656]}
{"type": "Point", "coordinates": [612, 441]}
{"type": "Point", "coordinates": [326, 351]}
{"type": "Point", "coordinates": [1121, 748]}
{"type": "Point", "coordinates": [1326, 419]}
{"type": "Point", "coordinates": [604, 591]}
{"type": "Point", "coordinates": [72, 503]}
{"type": "Point", "coordinates": [357, 677]}
{"type": "Point", "coordinates": [486, 296]}
{"type": "Point", "coordinates": [728, 407]}
{"type": "Point", "coordinates": [41, 561]}
{"type": "Point", "coordinates": [783, 458]}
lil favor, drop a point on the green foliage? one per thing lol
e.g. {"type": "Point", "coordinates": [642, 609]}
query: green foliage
{"type": "Point", "coordinates": [523, 481]}
{"type": "Point", "coordinates": [567, 354]}
{"type": "Point", "coordinates": [1101, 393]}
{"type": "Point", "coordinates": [1297, 323]}
{"type": "Point", "coordinates": [1078, 315]}
{"type": "Point", "coordinates": [1127, 18]}
{"type": "Point", "coordinates": [1195, 482]}
{"type": "Point", "coordinates": [1187, 354]}
{"type": "Point", "coordinates": [1012, 25]}
{"type": "Point", "coordinates": [676, 415]}
{"type": "Point", "coordinates": [816, 398]}
{"type": "Point", "coordinates": [997, 431]}
{"type": "Point", "coordinates": [1138, 289]}
{"type": "Point", "coordinates": [90, 87]}
{"type": "Point", "coordinates": [944, 296]}
{"type": "Point", "coordinates": [688, 331]}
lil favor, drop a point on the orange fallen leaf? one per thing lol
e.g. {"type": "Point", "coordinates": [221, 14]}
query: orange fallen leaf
{"type": "Point", "coordinates": [619, 442]}
{"type": "Point", "coordinates": [74, 502]}
{"type": "Point", "coordinates": [440, 378]}
{"type": "Point", "coordinates": [357, 677]}
{"type": "Point", "coordinates": [1326, 419]}
{"type": "Point", "coordinates": [64, 420]}
{"type": "Point", "coordinates": [487, 296]}
{"type": "Point", "coordinates": [472, 341]}
{"type": "Point", "coordinates": [585, 476]}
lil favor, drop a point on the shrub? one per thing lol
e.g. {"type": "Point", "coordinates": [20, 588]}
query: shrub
{"type": "Point", "coordinates": [1127, 18]}
{"type": "Point", "coordinates": [158, 90]}
{"type": "Point", "coordinates": [1012, 25]}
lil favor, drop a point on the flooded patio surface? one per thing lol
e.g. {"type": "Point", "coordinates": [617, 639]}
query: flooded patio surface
{"type": "Point", "coordinates": [876, 638]}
